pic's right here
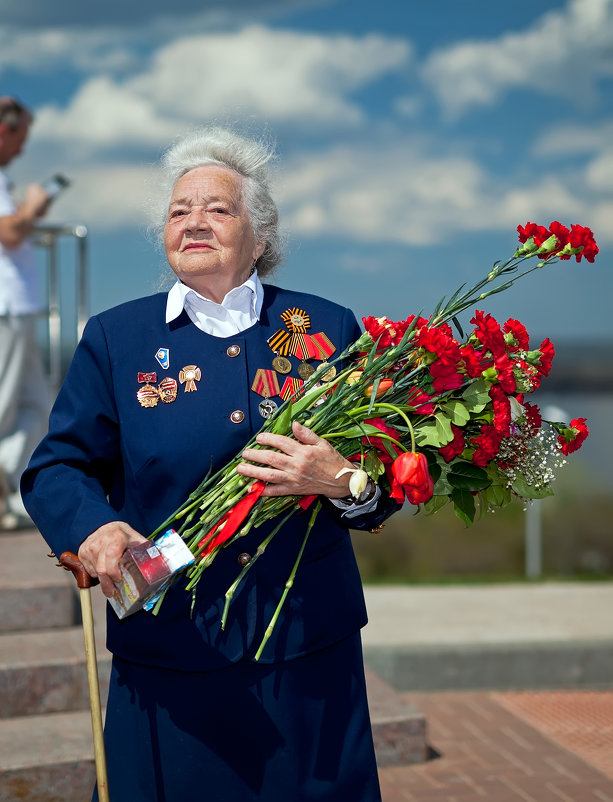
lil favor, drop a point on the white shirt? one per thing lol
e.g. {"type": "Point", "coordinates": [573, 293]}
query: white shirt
{"type": "Point", "coordinates": [19, 279]}
{"type": "Point", "coordinates": [239, 310]}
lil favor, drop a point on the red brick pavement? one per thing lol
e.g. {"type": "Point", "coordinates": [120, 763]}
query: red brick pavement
{"type": "Point", "coordinates": [510, 747]}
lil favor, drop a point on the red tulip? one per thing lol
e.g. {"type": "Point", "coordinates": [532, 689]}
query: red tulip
{"type": "Point", "coordinates": [410, 477]}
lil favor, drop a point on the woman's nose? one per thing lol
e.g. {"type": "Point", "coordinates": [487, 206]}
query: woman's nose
{"type": "Point", "coordinates": [197, 219]}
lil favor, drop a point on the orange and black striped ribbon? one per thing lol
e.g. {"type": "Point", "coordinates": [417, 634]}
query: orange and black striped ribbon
{"type": "Point", "coordinates": [280, 342]}
{"type": "Point", "coordinates": [296, 319]}
{"type": "Point", "coordinates": [303, 347]}
{"type": "Point", "coordinates": [266, 383]}
{"type": "Point", "coordinates": [323, 344]}
{"type": "Point", "coordinates": [290, 387]}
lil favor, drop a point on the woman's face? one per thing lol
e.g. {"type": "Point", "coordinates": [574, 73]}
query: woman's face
{"type": "Point", "coordinates": [208, 236]}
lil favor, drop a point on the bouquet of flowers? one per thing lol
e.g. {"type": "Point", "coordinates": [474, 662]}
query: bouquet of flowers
{"type": "Point", "coordinates": [433, 418]}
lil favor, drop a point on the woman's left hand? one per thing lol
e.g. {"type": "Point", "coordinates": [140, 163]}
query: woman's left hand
{"type": "Point", "coordinates": [301, 467]}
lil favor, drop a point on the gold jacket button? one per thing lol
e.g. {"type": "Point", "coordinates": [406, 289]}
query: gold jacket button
{"type": "Point", "coordinates": [238, 416]}
{"type": "Point", "coordinates": [233, 350]}
{"type": "Point", "coordinates": [243, 559]}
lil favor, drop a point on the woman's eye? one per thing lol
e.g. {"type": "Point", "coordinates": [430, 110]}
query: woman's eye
{"type": "Point", "coordinates": [177, 213]}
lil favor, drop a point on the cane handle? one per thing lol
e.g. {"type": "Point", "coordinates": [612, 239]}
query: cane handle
{"type": "Point", "coordinates": [70, 562]}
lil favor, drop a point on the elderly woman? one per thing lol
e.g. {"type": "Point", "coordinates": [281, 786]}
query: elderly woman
{"type": "Point", "coordinates": [159, 390]}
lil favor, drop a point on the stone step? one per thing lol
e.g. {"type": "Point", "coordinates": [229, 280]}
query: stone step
{"type": "Point", "coordinates": [47, 758]}
{"type": "Point", "coordinates": [34, 593]}
{"type": "Point", "coordinates": [398, 727]}
{"type": "Point", "coordinates": [45, 672]}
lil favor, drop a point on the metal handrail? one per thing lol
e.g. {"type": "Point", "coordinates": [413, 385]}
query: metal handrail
{"type": "Point", "coordinates": [47, 236]}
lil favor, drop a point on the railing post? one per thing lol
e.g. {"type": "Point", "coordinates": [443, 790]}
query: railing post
{"type": "Point", "coordinates": [47, 236]}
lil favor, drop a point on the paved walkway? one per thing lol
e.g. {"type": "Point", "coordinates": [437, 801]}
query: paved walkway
{"type": "Point", "coordinates": [511, 747]}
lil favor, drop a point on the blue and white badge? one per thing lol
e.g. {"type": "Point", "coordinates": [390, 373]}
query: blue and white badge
{"type": "Point", "coordinates": [163, 357]}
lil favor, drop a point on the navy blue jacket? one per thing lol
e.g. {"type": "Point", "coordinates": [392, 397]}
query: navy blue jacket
{"type": "Point", "coordinates": [108, 458]}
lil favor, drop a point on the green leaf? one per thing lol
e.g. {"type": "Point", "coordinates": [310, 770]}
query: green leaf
{"type": "Point", "coordinates": [497, 495]}
{"type": "Point", "coordinates": [523, 489]}
{"type": "Point", "coordinates": [434, 504]}
{"type": "Point", "coordinates": [477, 395]}
{"type": "Point", "coordinates": [428, 434]}
{"type": "Point", "coordinates": [442, 486]}
{"type": "Point", "coordinates": [373, 465]}
{"type": "Point", "coordinates": [359, 431]}
{"type": "Point", "coordinates": [443, 425]}
{"type": "Point", "coordinates": [464, 506]}
{"type": "Point", "coordinates": [282, 424]}
{"type": "Point", "coordinates": [467, 476]}
{"type": "Point", "coordinates": [457, 412]}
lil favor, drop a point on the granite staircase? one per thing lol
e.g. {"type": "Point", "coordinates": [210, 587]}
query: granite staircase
{"type": "Point", "coordinates": [46, 751]}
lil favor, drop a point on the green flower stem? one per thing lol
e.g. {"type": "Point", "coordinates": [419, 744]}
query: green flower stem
{"type": "Point", "coordinates": [259, 551]}
{"type": "Point", "coordinates": [289, 583]}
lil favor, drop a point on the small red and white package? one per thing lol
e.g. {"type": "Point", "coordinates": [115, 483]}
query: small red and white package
{"type": "Point", "coordinates": [146, 569]}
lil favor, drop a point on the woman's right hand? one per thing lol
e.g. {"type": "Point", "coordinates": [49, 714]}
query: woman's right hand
{"type": "Point", "coordinates": [101, 551]}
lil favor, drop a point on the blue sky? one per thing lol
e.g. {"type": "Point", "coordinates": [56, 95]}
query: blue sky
{"type": "Point", "coordinates": [413, 136]}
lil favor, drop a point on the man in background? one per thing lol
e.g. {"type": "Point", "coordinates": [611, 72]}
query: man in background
{"type": "Point", "coordinates": [24, 393]}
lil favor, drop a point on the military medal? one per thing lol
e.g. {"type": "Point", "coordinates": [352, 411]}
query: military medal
{"type": "Point", "coordinates": [168, 390]}
{"type": "Point", "coordinates": [279, 343]}
{"type": "Point", "coordinates": [147, 395]}
{"type": "Point", "coordinates": [163, 357]}
{"type": "Point", "coordinates": [291, 387]}
{"type": "Point", "coordinates": [303, 347]}
{"type": "Point", "coordinates": [266, 383]}
{"type": "Point", "coordinates": [328, 374]}
{"type": "Point", "coordinates": [188, 376]}
{"type": "Point", "coordinates": [296, 319]}
{"type": "Point", "coordinates": [267, 407]}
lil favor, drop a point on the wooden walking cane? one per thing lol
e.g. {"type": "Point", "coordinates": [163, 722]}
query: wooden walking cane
{"type": "Point", "coordinates": [71, 562]}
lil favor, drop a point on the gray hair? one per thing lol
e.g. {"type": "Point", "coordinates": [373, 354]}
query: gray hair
{"type": "Point", "coordinates": [246, 157]}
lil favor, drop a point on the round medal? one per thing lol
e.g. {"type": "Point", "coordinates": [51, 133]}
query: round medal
{"type": "Point", "coordinates": [267, 407]}
{"type": "Point", "coordinates": [329, 374]}
{"type": "Point", "coordinates": [281, 364]}
{"type": "Point", "coordinates": [305, 370]}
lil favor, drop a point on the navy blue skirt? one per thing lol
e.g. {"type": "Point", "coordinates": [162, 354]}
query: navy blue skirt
{"type": "Point", "coordinates": [297, 730]}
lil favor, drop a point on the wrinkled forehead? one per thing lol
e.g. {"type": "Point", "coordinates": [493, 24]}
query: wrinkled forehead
{"type": "Point", "coordinates": [209, 182]}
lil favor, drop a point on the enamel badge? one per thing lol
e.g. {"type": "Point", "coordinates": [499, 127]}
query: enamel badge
{"type": "Point", "coordinates": [168, 390]}
{"type": "Point", "coordinates": [163, 357]}
{"type": "Point", "coordinates": [188, 376]}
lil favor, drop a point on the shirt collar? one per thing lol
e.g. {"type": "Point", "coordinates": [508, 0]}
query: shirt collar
{"type": "Point", "coordinates": [234, 299]}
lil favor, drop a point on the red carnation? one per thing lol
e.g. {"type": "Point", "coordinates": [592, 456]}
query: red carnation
{"type": "Point", "coordinates": [487, 443]}
{"type": "Point", "coordinates": [562, 235]}
{"type": "Point", "coordinates": [489, 333]}
{"type": "Point", "coordinates": [519, 333]}
{"type": "Point", "coordinates": [473, 360]}
{"type": "Point", "coordinates": [439, 340]}
{"type": "Point", "coordinates": [582, 237]}
{"type": "Point", "coordinates": [538, 233]}
{"type": "Point", "coordinates": [502, 410]}
{"type": "Point", "coordinates": [410, 477]}
{"type": "Point", "coordinates": [547, 354]}
{"type": "Point", "coordinates": [456, 446]}
{"type": "Point", "coordinates": [420, 401]}
{"type": "Point", "coordinates": [446, 377]}
{"type": "Point", "coordinates": [571, 439]}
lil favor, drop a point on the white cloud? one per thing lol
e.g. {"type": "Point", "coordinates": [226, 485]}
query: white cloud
{"type": "Point", "coordinates": [569, 139]}
{"type": "Point", "coordinates": [396, 195]}
{"type": "Point", "coordinates": [85, 50]}
{"type": "Point", "coordinates": [404, 195]}
{"type": "Point", "coordinates": [564, 53]}
{"type": "Point", "coordinates": [280, 75]}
